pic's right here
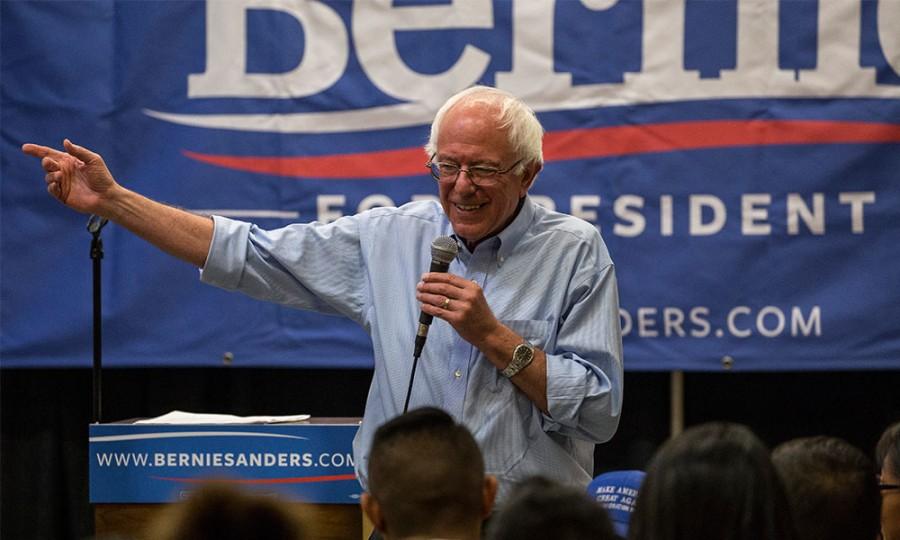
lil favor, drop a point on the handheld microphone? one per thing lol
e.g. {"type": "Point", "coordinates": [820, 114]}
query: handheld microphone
{"type": "Point", "coordinates": [443, 251]}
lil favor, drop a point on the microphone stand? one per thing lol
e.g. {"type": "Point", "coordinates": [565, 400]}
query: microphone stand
{"type": "Point", "coordinates": [94, 225]}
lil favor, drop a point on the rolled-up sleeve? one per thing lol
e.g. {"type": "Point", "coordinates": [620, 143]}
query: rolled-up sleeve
{"type": "Point", "coordinates": [227, 253]}
{"type": "Point", "coordinates": [312, 266]}
{"type": "Point", "coordinates": [584, 371]}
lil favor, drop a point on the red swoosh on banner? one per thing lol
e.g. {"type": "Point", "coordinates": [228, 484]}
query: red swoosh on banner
{"type": "Point", "coordinates": [578, 144]}
{"type": "Point", "coordinates": [299, 480]}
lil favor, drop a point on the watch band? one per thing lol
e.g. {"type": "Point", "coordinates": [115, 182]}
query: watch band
{"type": "Point", "coordinates": [522, 355]}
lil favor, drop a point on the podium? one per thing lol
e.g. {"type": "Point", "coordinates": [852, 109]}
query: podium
{"type": "Point", "coordinates": [135, 469]}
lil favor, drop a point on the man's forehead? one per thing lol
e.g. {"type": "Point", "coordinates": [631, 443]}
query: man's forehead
{"type": "Point", "coordinates": [470, 134]}
{"type": "Point", "coordinates": [479, 114]}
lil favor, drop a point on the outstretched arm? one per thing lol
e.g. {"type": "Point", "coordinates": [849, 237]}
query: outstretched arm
{"type": "Point", "coordinates": [80, 179]}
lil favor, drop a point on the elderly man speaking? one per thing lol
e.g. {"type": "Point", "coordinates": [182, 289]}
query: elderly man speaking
{"type": "Point", "coordinates": [525, 349]}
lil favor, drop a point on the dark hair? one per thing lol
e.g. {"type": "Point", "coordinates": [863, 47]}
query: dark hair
{"type": "Point", "coordinates": [889, 447]}
{"type": "Point", "coordinates": [539, 508]}
{"type": "Point", "coordinates": [831, 489]}
{"type": "Point", "coordinates": [223, 512]}
{"type": "Point", "coordinates": [426, 472]}
{"type": "Point", "coordinates": [715, 481]}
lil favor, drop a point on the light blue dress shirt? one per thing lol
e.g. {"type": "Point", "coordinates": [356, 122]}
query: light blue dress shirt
{"type": "Point", "coordinates": [547, 276]}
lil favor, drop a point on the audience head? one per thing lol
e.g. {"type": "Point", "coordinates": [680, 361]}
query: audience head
{"type": "Point", "coordinates": [223, 512]}
{"type": "Point", "coordinates": [426, 478]}
{"type": "Point", "coordinates": [617, 491]}
{"type": "Point", "coordinates": [887, 458]}
{"type": "Point", "coordinates": [713, 482]}
{"type": "Point", "coordinates": [539, 508]}
{"type": "Point", "coordinates": [831, 488]}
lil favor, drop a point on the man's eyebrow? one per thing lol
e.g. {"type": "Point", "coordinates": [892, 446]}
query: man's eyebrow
{"type": "Point", "coordinates": [473, 163]}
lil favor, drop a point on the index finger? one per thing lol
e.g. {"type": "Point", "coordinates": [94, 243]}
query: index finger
{"type": "Point", "coordinates": [39, 151]}
{"type": "Point", "coordinates": [445, 277]}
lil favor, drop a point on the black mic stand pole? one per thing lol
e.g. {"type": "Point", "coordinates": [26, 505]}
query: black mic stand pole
{"type": "Point", "coordinates": [95, 224]}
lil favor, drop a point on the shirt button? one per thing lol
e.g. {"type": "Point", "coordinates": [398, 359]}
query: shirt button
{"type": "Point", "coordinates": [457, 373]}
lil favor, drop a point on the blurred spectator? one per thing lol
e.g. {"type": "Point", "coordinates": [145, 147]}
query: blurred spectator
{"type": "Point", "coordinates": [541, 509]}
{"type": "Point", "coordinates": [222, 512]}
{"type": "Point", "coordinates": [831, 489]}
{"type": "Point", "coordinates": [887, 457]}
{"type": "Point", "coordinates": [715, 481]}
{"type": "Point", "coordinates": [617, 491]}
{"type": "Point", "coordinates": [426, 479]}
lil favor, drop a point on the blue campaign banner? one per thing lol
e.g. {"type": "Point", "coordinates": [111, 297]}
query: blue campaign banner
{"type": "Point", "coordinates": [740, 158]}
{"type": "Point", "coordinates": [155, 463]}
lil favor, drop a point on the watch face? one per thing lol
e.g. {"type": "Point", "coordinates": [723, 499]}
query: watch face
{"type": "Point", "coordinates": [522, 356]}
{"type": "Point", "coordinates": [523, 352]}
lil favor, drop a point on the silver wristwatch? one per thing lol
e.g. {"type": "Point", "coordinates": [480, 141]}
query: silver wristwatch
{"type": "Point", "coordinates": [521, 357]}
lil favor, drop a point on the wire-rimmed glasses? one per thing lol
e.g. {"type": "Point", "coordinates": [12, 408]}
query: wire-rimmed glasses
{"type": "Point", "coordinates": [482, 176]}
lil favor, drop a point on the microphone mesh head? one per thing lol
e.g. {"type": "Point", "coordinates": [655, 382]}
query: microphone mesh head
{"type": "Point", "coordinates": [444, 249]}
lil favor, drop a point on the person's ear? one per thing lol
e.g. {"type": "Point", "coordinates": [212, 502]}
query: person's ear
{"type": "Point", "coordinates": [488, 494]}
{"type": "Point", "coordinates": [373, 510]}
{"type": "Point", "coordinates": [529, 176]}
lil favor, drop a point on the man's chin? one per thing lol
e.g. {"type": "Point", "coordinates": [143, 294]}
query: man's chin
{"type": "Point", "coordinates": [471, 235]}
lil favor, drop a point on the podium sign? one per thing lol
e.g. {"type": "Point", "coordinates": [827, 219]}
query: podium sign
{"type": "Point", "coordinates": [158, 463]}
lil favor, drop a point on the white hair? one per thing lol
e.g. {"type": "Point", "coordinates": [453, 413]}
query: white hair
{"type": "Point", "coordinates": [523, 129]}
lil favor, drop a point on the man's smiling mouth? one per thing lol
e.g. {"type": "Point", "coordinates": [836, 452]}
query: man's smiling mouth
{"type": "Point", "coordinates": [468, 207]}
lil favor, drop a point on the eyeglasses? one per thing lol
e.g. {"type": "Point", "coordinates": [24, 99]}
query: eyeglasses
{"type": "Point", "coordinates": [447, 173]}
{"type": "Point", "coordinates": [888, 487]}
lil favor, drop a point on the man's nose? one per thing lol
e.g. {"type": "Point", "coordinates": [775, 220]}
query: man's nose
{"type": "Point", "coordinates": [469, 185]}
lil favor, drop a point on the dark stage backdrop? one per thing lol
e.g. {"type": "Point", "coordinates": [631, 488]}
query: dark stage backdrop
{"type": "Point", "coordinates": [45, 417]}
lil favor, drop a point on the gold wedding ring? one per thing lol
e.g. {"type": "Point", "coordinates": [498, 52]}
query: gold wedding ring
{"type": "Point", "coordinates": [446, 303]}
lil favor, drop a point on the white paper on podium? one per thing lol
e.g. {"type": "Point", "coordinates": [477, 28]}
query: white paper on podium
{"type": "Point", "coordinates": [181, 417]}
